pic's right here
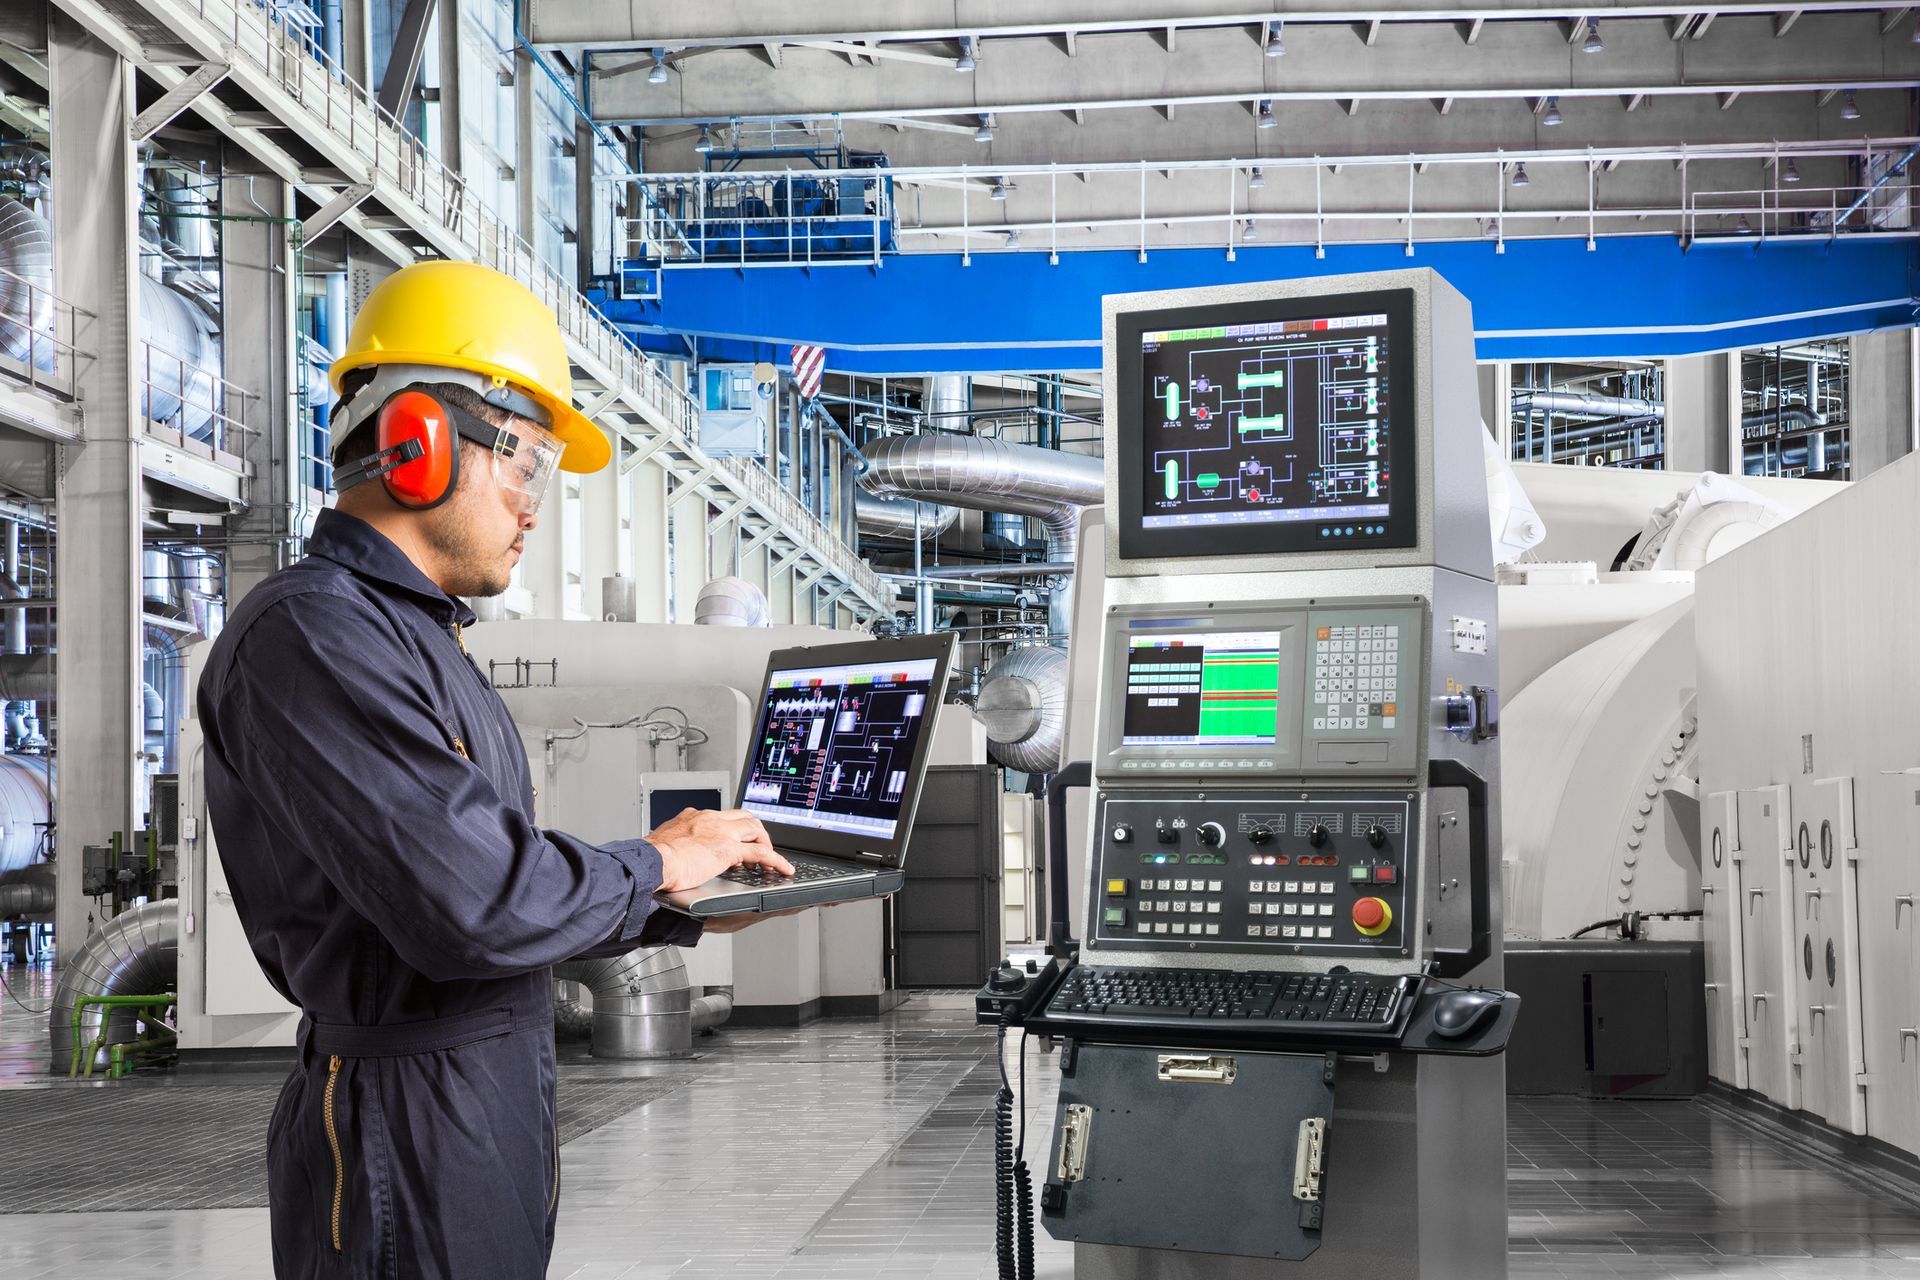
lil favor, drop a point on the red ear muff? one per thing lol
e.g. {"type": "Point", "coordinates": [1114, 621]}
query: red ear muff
{"type": "Point", "coordinates": [418, 427]}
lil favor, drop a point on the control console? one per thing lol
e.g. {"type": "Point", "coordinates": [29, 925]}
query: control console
{"type": "Point", "coordinates": [1317, 873]}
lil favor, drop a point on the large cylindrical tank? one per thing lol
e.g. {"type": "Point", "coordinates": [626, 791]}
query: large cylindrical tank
{"type": "Point", "coordinates": [26, 806]}
{"type": "Point", "coordinates": [26, 281]}
{"type": "Point", "coordinates": [179, 362]}
{"type": "Point", "coordinates": [1023, 704]}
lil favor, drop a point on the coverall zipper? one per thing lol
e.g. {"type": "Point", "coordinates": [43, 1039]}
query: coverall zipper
{"type": "Point", "coordinates": [333, 1140]}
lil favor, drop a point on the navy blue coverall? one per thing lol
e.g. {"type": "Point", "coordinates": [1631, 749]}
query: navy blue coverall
{"type": "Point", "coordinates": [374, 814]}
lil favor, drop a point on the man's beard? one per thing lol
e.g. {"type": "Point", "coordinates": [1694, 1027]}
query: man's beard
{"type": "Point", "coordinates": [475, 571]}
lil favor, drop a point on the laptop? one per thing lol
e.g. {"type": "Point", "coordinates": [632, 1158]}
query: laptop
{"type": "Point", "coordinates": [834, 769]}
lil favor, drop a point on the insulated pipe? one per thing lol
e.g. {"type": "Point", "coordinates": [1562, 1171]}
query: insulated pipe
{"type": "Point", "coordinates": [989, 475]}
{"type": "Point", "coordinates": [1790, 418]}
{"type": "Point", "coordinates": [26, 677]}
{"type": "Point", "coordinates": [1583, 402]}
{"type": "Point", "coordinates": [16, 623]}
{"type": "Point", "coordinates": [732, 602]}
{"type": "Point", "coordinates": [642, 1003]}
{"type": "Point", "coordinates": [1023, 705]}
{"type": "Point", "coordinates": [26, 283]}
{"type": "Point", "coordinates": [27, 892]}
{"type": "Point", "coordinates": [26, 811]}
{"type": "Point", "coordinates": [885, 518]}
{"type": "Point", "coordinates": [137, 953]}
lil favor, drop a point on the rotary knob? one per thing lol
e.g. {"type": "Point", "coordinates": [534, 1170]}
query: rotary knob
{"type": "Point", "coordinates": [1318, 836]}
{"type": "Point", "coordinates": [1376, 835]}
{"type": "Point", "coordinates": [1212, 835]}
{"type": "Point", "coordinates": [1261, 835]}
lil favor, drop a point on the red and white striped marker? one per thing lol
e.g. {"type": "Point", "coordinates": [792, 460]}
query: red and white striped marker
{"type": "Point", "coordinates": [809, 365]}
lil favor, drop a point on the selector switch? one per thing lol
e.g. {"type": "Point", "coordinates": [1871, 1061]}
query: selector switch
{"type": "Point", "coordinates": [1122, 833]}
{"type": "Point", "coordinates": [1166, 834]}
{"type": "Point", "coordinates": [1376, 835]}
{"type": "Point", "coordinates": [1261, 835]}
{"type": "Point", "coordinates": [1317, 836]}
{"type": "Point", "coordinates": [1372, 917]}
{"type": "Point", "coordinates": [1212, 834]}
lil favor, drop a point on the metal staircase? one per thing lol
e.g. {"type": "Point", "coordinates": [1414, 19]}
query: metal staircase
{"type": "Point", "coordinates": [382, 183]}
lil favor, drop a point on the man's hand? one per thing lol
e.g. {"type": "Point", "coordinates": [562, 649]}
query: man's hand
{"type": "Point", "coordinates": [699, 844]}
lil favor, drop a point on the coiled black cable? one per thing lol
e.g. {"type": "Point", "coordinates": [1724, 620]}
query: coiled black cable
{"type": "Point", "coordinates": [1012, 1184]}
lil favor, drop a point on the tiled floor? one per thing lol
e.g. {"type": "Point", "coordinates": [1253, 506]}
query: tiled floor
{"type": "Point", "coordinates": [863, 1149]}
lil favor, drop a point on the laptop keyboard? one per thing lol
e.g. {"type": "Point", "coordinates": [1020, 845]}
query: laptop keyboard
{"type": "Point", "coordinates": [759, 877]}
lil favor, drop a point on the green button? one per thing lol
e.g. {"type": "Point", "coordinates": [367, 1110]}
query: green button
{"type": "Point", "coordinates": [1360, 875]}
{"type": "Point", "coordinates": [1117, 915]}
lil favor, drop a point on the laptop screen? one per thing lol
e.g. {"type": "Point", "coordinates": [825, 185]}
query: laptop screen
{"type": "Point", "coordinates": [837, 743]}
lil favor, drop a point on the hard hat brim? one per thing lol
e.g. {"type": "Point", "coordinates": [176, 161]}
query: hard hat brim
{"type": "Point", "coordinates": [586, 447]}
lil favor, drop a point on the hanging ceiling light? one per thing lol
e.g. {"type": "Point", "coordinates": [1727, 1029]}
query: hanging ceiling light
{"type": "Point", "coordinates": [1266, 115]}
{"type": "Point", "coordinates": [1551, 116]}
{"type": "Point", "coordinates": [968, 51]}
{"type": "Point", "coordinates": [1256, 179]}
{"type": "Point", "coordinates": [1594, 44]}
{"type": "Point", "coordinates": [704, 143]}
{"type": "Point", "coordinates": [1249, 231]}
{"type": "Point", "coordinates": [985, 132]}
{"type": "Point", "coordinates": [659, 73]}
{"type": "Point", "coordinates": [1745, 228]}
{"type": "Point", "coordinates": [1276, 44]}
{"type": "Point", "coordinates": [1849, 109]}
{"type": "Point", "coordinates": [999, 191]}
{"type": "Point", "coordinates": [1791, 173]}
{"type": "Point", "coordinates": [1520, 178]}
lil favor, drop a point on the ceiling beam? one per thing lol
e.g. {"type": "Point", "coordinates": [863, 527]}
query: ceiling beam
{"type": "Point", "coordinates": [1783, 22]}
{"type": "Point", "coordinates": [1470, 31]}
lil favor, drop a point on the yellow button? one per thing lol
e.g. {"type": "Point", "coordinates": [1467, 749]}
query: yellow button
{"type": "Point", "coordinates": [1116, 888]}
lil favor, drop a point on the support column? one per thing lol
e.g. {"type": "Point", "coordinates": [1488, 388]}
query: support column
{"type": "Point", "coordinates": [447, 91]}
{"type": "Point", "coordinates": [523, 151]}
{"type": "Point", "coordinates": [603, 541]}
{"type": "Point", "coordinates": [1700, 425]}
{"type": "Point", "coordinates": [1880, 399]}
{"type": "Point", "coordinates": [259, 318]}
{"type": "Point", "coordinates": [648, 485]}
{"type": "Point", "coordinates": [356, 40]}
{"type": "Point", "coordinates": [98, 500]}
{"type": "Point", "coordinates": [689, 516]}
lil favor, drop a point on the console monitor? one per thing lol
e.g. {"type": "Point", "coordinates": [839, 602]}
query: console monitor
{"type": "Point", "coordinates": [1255, 427]}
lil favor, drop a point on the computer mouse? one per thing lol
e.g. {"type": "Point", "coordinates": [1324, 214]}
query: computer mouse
{"type": "Point", "coordinates": [1461, 1013]}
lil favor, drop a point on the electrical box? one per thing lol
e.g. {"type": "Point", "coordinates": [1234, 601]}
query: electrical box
{"type": "Point", "coordinates": [736, 411]}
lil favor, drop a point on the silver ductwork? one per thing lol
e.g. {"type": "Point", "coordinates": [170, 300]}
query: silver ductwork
{"type": "Point", "coordinates": [179, 363]}
{"type": "Point", "coordinates": [643, 1006]}
{"type": "Point", "coordinates": [26, 283]}
{"type": "Point", "coordinates": [1587, 404]}
{"type": "Point", "coordinates": [26, 677]}
{"type": "Point", "coordinates": [732, 602]}
{"type": "Point", "coordinates": [137, 953]}
{"type": "Point", "coordinates": [27, 892]}
{"type": "Point", "coordinates": [1023, 705]}
{"type": "Point", "coordinates": [1790, 419]}
{"type": "Point", "coordinates": [894, 518]}
{"type": "Point", "coordinates": [989, 475]}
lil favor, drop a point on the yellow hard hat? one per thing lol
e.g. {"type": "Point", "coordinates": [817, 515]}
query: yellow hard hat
{"type": "Point", "coordinates": [460, 315]}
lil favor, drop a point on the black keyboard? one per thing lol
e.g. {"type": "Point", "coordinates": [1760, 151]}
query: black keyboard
{"type": "Point", "coordinates": [1289, 1005]}
{"type": "Point", "coordinates": [759, 877]}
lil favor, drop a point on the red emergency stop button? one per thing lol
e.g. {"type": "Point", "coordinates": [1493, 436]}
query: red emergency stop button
{"type": "Point", "coordinates": [1372, 917]}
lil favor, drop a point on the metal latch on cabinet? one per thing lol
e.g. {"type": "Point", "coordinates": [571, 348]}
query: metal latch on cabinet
{"type": "Point", "coordinates": [1309, 1165]}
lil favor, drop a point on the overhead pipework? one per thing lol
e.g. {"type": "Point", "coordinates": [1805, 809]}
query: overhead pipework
{"type": "Point", "coordinates": [900, 519]}
{"type": "Point", "coordinates": [26, 282]}
{"type": "Point", "coordinates": [1023, 705]}
{"type": "Point", "coordinates": [989, 475]}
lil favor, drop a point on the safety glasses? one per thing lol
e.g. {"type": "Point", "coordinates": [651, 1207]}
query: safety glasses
{"type": "Point", "coordinates": [524, 460]}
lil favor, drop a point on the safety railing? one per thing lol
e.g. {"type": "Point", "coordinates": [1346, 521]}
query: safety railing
{"type": "Point", "coordinates": [38, 335]}
{"type": "Point", "coordinates": [1768, 212]}
{"type": "Point", "coordinates": [786, 218]}
{"type": "Point", "coordinates": [190, 405]}
{"type": "Point", "coordinates": [405, 170]}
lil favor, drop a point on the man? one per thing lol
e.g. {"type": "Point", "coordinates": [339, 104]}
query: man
{"type": "Point", "coordinates": [374, 808]}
